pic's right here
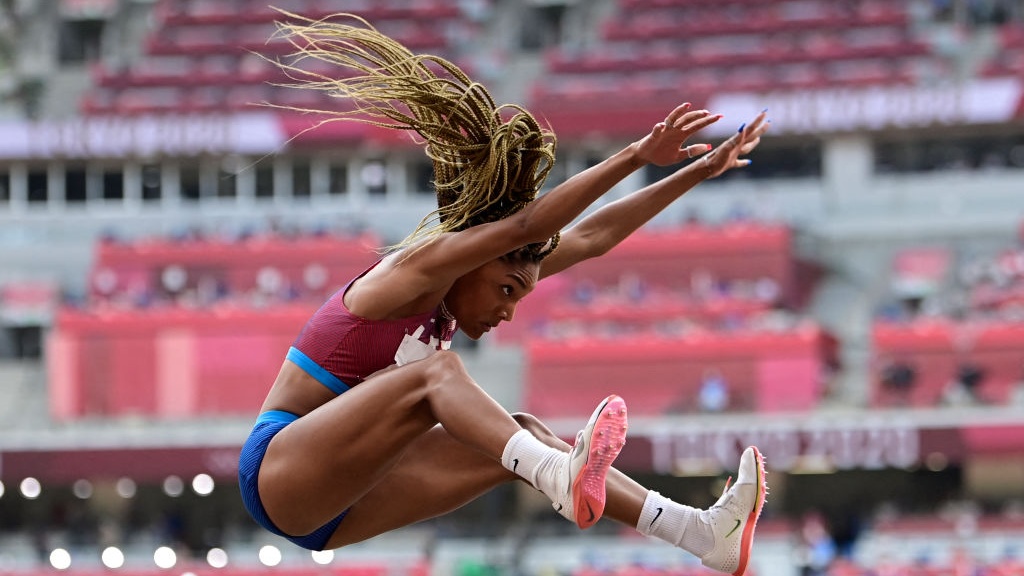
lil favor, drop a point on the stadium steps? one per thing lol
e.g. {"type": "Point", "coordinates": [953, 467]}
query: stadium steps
{"type": "Point", "coordinates": [64, 89]}
{"type": "Point", "coordinates": [23, 386]}
{"type": "Point", "coordinates": [843, 305]}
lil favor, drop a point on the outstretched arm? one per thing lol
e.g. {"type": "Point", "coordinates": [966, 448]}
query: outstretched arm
{"type": "Point", "coordinates": [451, 255]}
{"type": "Point", "coordinates": [602, 230]}
{"type": "Point", "coordinates": [415, 284]}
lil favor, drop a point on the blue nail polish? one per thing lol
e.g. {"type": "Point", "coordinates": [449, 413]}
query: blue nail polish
{"type": "Point", "coordinates": [742, 126]}
{"type": "Point", "coordinates": [765, 110]}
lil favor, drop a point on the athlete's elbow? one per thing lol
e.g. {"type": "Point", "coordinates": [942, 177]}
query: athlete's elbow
{"type": "Point", "coordinates": [594, 243]}
{"type": "Point", "coordinates": [534, 224]}
{"type": "Point", "coordinates": [530, 230]}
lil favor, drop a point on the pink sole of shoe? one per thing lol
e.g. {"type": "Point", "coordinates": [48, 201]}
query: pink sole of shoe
{"type": "Point", "coordinates": [606, 441]}
{"type": "Point", "coordinates": [748, 530]}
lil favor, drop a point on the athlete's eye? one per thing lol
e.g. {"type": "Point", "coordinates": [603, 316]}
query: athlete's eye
{"type": "Point", "coordinates": [507, 289]}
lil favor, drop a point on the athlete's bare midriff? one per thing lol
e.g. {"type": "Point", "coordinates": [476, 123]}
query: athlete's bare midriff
{"type": "Point", "coordinates": [296, 392]}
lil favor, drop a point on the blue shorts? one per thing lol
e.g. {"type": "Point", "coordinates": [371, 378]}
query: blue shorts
{"type": "Point", "coordinates": [267, 425]}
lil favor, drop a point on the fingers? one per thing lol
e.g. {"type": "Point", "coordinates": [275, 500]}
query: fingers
{"type": "Point", "coordinates": [674, 115]}
{"type": "Point", "coordinates": [683, 121]}
{"type": "Point", "coordinates": [756, 127]}
{"type": "Point", "coordinates": [749, 146]}
{"type": "Point", "coordinates": [761, 129]}
{"type": "Point", "coordinates": [750, 136]}
{"type": "Point", "coordinates": [698, 120]}
{"type": "Point", "coordinates": [695, 150]}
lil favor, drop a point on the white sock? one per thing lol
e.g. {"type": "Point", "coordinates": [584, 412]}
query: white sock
{"type": "Point", "coordinates": [534, 460]}
{"type": "Point", "coordinates": [676, 524]}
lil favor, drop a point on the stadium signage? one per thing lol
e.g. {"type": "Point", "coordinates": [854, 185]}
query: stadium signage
{"type": "Point", "coordinates": [142, 136]}
{"type": "Point", "coordinates": [811, 448]}
{"type": "Point", "coordinates": [879, 107]}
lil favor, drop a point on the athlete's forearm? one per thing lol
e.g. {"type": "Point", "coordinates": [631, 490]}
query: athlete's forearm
{"type": "Point", "coordinates": [613, 222]}
{"type": "Point", "coordinates": [557, 209]}
{"type": "Point", "coordinates": [602, 230]}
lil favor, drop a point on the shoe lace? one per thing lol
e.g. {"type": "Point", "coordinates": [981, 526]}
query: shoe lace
{"type": "Point", "coordinates": [729, 501]}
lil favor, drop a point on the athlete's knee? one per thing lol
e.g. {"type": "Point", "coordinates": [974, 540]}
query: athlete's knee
{"type": "Point", "coordinates": [443, 366]}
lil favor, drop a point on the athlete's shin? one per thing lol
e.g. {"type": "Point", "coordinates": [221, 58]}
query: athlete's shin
{"type": "Point", "coordinates": [676, 524]}
{"type": "Point", "coordinates": [535, 461]}
{"type": "Point", "coordinates": [721, 536]}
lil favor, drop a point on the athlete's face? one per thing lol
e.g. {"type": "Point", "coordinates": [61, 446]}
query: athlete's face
{"type": "Point", "coordinates": [487, 296]}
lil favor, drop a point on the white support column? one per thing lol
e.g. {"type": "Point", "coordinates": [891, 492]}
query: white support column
{"type": "Point", "coordinates": [319, 179]}
{"type": "Point", "coordinates": [55, 185]}
{"type": "Point", "coordinates": [245, 186]}
{"type": "Point", "coordinates": [356, 187]}
{"type": "Point", "coordinates": [847, 167]}
{"type": "Point", "coordinates": [396, 178]}
{"type": "Point", "coordinates": [170, 185]}
{"type": "Point", "coordinates": [19, 188]}
{"type": "Point", "coordinates": [132, 174]}
{"type": "Point", "coordinates": [282, 181]}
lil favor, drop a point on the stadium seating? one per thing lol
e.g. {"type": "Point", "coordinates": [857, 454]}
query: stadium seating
{"type": "Point", "coordinates": [764, 371]}
{"type": "Point", "coordinates": [747, 47]}
{"type": "Point", "coordinates": [936, 348]}
{"type": "Point", "coordinates": [205, 318]}
{"type": "Point", "coordinates": [671, 304]}
{"type": "Point", "coordinates": [207, 57]}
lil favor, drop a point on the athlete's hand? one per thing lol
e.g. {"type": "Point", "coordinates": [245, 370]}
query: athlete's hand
{"type": "Point", "coordinates": [666, 143]}
{"type": "Point", "coordinates": [728, 154]}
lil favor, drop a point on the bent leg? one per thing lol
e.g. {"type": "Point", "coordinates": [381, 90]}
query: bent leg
{"type": "Point", "coordinates": [329, 459]}
{"type": "Point", "coordinates": [436, 475]}
{"type": "Point", "coordinates": [439, 474]}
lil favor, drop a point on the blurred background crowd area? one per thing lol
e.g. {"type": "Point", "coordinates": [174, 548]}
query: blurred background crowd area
{"type": "Point", "coordinates": [851, 302]}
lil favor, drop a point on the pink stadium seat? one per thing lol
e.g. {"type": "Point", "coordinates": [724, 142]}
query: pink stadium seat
{"type": "Point", "coordinates": [145, 100]}
{"type": "Point", "coordinates": [98, 101]}
{"type": "Point", "coordinates": [217, 69]}
{"type": "Point", "coordinates": [205, 99]}
{"type": "Point", "coordinates": [169, 70]}
{"type": "Point", "coordinates": [211, 11]}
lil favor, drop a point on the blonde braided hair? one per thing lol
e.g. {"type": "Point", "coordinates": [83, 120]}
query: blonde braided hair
{"type": "Point", "coordinates": [486, 167]}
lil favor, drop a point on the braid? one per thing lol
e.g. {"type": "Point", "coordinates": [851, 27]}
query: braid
{"type": "Point", "coordinates": [486, 167]}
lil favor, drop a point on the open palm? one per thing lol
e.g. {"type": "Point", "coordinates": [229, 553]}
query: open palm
{"type": "Point", "coordinates": [665, 144]}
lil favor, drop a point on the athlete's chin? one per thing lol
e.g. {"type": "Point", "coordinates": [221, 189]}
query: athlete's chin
{"type": "Point", "coordinates": [477, 332]}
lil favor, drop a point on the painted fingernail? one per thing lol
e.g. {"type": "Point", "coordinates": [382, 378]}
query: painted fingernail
{"type": "Point", "coordinates": [742, 126]}
{"type": "Point", "coordinates": [765, 110]}
{"type": "Point", "coordinates": [709, 146]}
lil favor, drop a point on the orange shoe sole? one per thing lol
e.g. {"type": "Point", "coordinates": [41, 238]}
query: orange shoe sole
{"type": "Point", "coordinates": [606, 441]}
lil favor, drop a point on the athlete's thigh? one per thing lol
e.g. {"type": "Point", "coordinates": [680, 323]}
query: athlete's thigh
{"type": "Point", "coordinates": [436, 475]}
{"type": "Point", "coordinates": [323, 462]}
